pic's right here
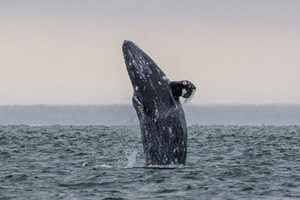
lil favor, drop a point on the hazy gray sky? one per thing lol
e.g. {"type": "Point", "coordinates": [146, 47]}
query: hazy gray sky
{"type": "Point", "coordinates": [69, 52]}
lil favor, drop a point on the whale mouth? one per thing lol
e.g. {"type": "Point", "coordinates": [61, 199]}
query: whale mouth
{"type": "Point", "coordinates": [135, 60]}
{"type": "Point", "coordinates": [141, 68]}
{"type": "Point", "coordinates": [133, 55]}
{"type": "Point", "coordinates": [149, 82]}
{"type": "Point", "coordinates": [129, 48]}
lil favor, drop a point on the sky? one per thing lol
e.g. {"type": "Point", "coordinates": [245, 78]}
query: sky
{"type": "Point", "coordinates": [69, 51]}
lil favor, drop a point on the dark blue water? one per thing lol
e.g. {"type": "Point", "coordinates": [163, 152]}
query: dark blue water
{"type": "Point", "coordinates": [98, 162]}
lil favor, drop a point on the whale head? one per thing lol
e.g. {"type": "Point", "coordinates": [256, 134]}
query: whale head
{"type": "Point", "coordinates": [150, 84]}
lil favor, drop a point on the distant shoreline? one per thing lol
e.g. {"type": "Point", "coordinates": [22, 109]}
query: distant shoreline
{"type": "Point", "coordinates": [107, 115]}
{"type": "Point", "coordinates": [189, 104]}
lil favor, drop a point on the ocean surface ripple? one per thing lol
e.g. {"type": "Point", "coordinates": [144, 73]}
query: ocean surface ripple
{"type": "Point", "coordinates": [99, 162]}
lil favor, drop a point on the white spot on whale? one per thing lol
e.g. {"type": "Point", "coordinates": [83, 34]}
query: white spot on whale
{"type": "Point", "coordinates": [183, 92]}
{"type": "Point", "coordinates": [187, 100]}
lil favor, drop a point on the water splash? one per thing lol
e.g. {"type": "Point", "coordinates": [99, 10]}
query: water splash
{"type": "Point", "coordinates": [171, 166]}
{"type": "Point", "coordinates": [131, 159]}
{"type": "Point", "coordinates": [105, 166]}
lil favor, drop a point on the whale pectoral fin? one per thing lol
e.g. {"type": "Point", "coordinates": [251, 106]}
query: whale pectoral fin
{"type": "Point", "coordinates": [183, 89]}
{"type": "Point", "coordinates": [176, 89]}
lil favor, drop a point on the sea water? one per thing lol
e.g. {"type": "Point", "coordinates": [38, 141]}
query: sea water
{"type": "Point", "coordinates": [106, 162]}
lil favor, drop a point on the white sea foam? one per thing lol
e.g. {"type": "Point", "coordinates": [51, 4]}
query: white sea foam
{"type": "Point", "coordinates": [105, 166]}
{"type": "Point", "coordinates": [171, 166]}
{"type": "Point", "coordinates": [131, 159]}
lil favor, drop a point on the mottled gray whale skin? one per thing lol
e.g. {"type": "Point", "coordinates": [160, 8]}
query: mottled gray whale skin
{"type": "Point", "coordinates": [156, 101]}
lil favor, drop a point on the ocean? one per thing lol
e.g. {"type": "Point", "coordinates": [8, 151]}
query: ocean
{"type": "Point", "coordinates": [120, 115]}
{"type": "Point", "coordinates": [84, 152]}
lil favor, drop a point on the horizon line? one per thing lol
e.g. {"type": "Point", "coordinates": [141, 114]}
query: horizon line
{"type": "Point", "coordinates": [123, 104]}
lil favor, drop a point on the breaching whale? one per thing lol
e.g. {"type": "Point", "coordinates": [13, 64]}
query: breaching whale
{"type": "Point", "coordinates": [156, 101]}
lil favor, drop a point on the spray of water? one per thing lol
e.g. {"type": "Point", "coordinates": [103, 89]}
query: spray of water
{"type": "Point", "coordinates": [131, 159]}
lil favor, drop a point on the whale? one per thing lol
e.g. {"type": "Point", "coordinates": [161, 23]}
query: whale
{"type": "Point", "coordinates": [157, 103]}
